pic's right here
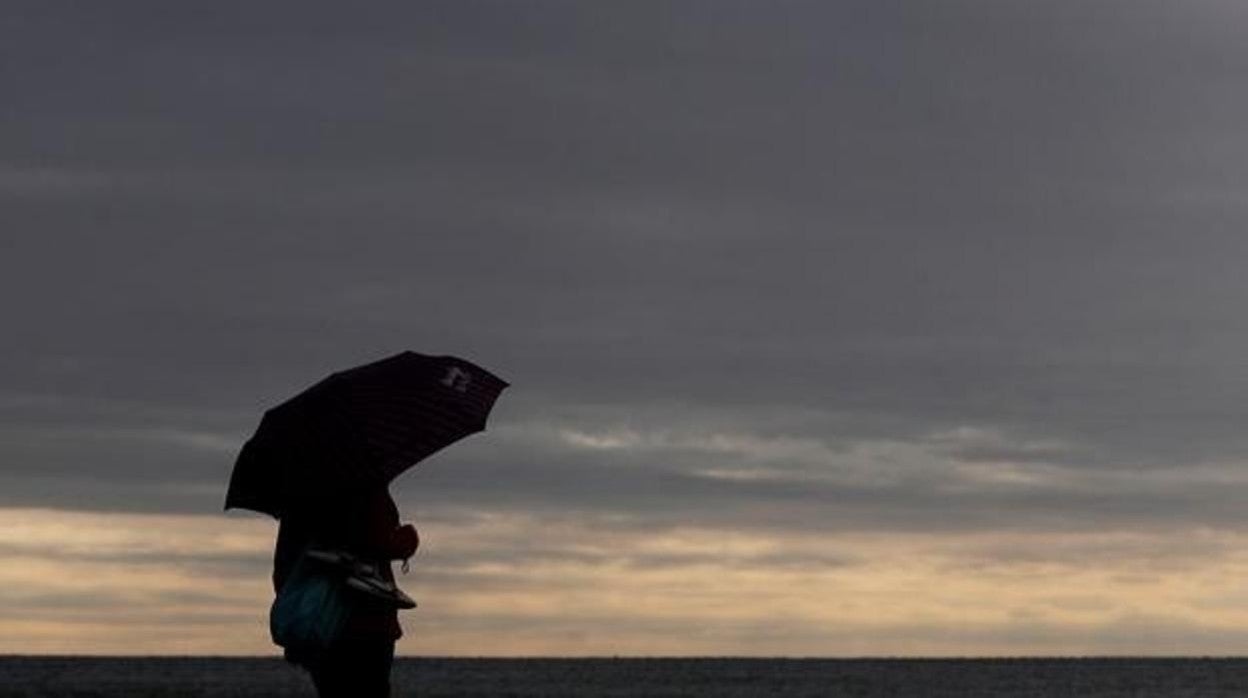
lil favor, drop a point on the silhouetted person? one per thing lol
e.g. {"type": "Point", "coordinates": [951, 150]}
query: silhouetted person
{"type": "Point", "coordinates": [365, 525]}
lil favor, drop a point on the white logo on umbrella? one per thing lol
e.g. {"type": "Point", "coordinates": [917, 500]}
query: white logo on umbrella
{"type": "Point", "coordinates": [457, 379]}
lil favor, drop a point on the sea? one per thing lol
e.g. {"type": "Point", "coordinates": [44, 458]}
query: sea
{"type": "Point", "coordinates": [233, 677]}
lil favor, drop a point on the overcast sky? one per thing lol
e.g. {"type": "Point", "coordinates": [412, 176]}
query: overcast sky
{"type": "Point", "coordinates": [820, 318]}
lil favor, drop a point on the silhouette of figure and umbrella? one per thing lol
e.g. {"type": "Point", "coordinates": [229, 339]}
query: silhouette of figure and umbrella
{"type": "Point", "coordinates": [321, 463]}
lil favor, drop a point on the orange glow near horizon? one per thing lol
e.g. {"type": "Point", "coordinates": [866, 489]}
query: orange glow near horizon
{"type": "Point", "coordinates": [83, 583]}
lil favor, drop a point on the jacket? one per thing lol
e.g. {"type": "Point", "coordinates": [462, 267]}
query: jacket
{"type": "Point", "coordinates": [365, 524]}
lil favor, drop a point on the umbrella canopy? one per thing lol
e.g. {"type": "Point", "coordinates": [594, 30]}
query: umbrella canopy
{"type": "Point", "coordinates": [360, 428]}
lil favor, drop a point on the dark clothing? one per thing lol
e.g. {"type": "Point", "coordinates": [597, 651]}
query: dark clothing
{"type": "Point", "coordinates": [357, 669]}
{"type": "Point", "coordinates": [366, 525]}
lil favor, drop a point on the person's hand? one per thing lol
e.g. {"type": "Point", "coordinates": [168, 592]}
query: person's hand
{"type": "Point", "coordinates": [406, 541]}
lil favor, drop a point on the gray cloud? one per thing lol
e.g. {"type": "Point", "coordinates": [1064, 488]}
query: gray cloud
{"type": "Point", "coordinates": [846, 224]}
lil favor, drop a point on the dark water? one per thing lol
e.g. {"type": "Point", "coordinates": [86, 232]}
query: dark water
{"type": "Point", "coordinates": [205, 677]}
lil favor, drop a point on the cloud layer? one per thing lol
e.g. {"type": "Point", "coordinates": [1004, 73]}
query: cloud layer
{"type": "Point", "coordinates": [784, 271]}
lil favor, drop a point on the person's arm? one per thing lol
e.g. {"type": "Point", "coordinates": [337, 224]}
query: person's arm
{"type": "Point", "coordinates": [404, 542]}
{"type": "Point", "coordinates": [373, 529]}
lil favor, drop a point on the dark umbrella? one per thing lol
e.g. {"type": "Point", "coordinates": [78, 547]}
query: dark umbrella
{"type": "Point", "coordinates": [360, 428]}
